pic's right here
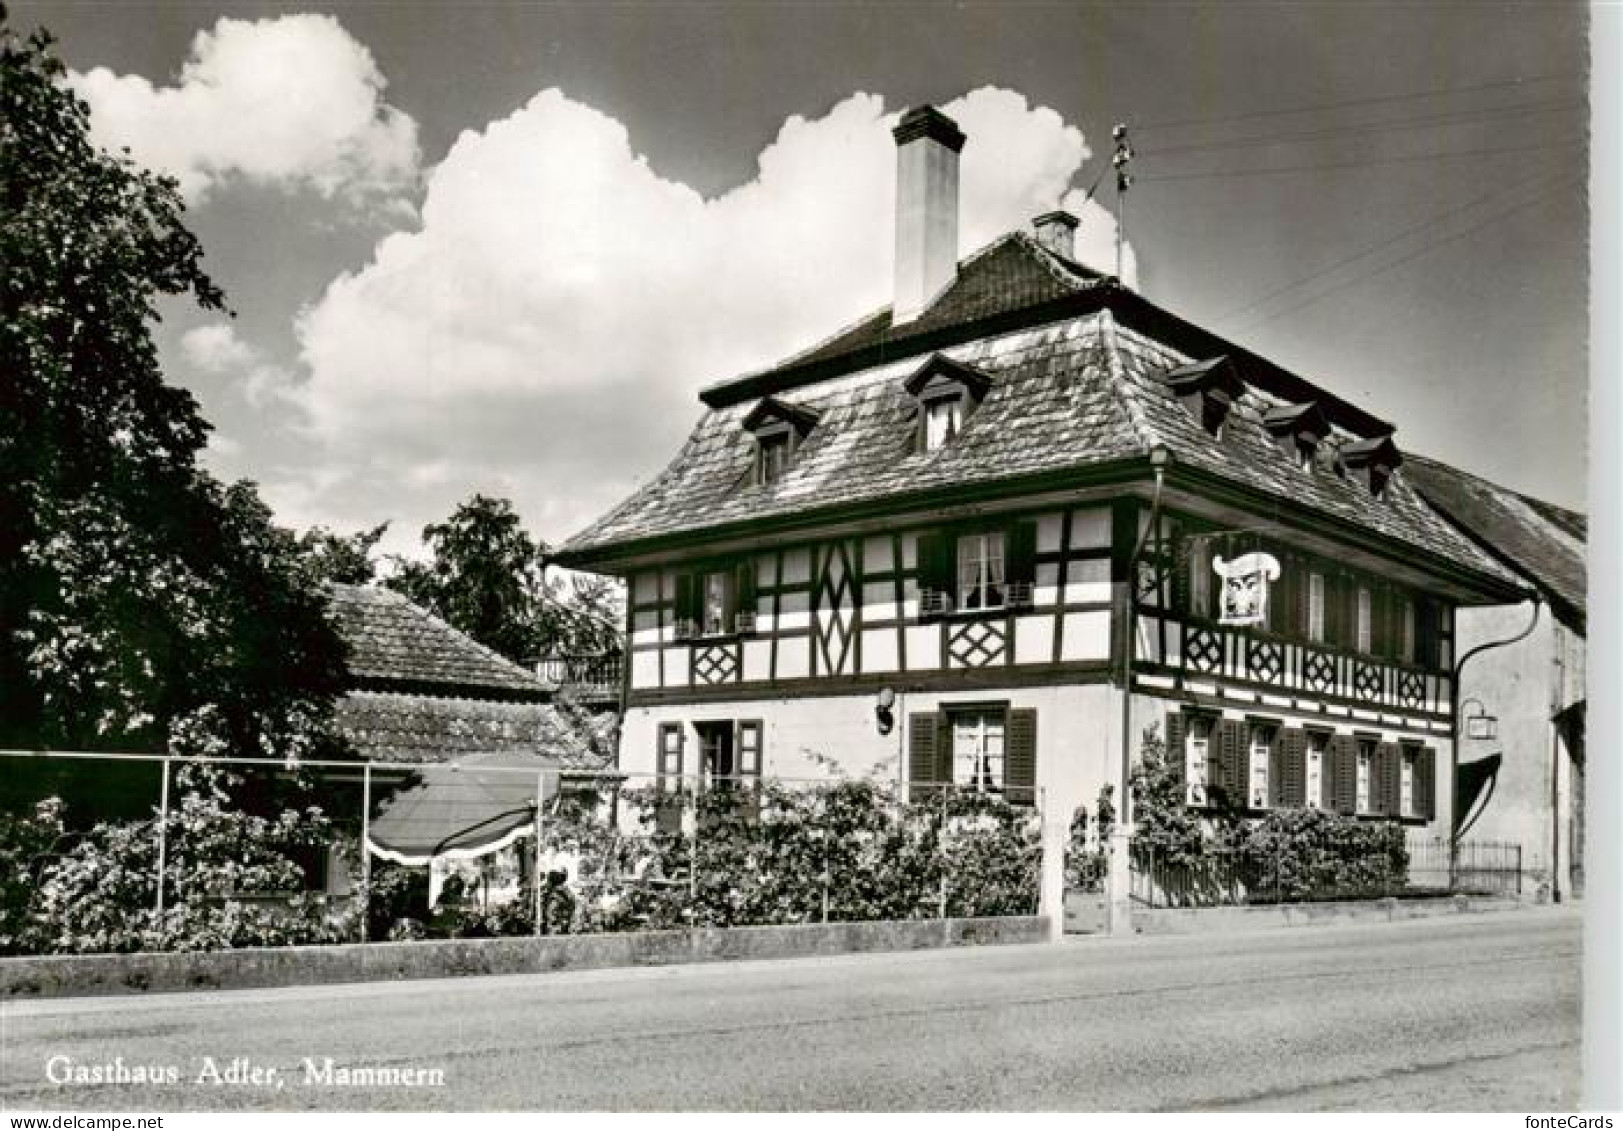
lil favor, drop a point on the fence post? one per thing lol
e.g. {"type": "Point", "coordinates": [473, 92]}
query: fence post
{"type": "Point", "coordinates": [366, 852]}
{"type": "Point", "coordinates": [540, 789]}
{"type": "Point", "coordinates": [163, 836]}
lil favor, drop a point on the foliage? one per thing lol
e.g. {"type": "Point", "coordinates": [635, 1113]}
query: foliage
{"type": "Point", "coordinates": [773, 854]}
{"type": "Point", "coordinates": [1286, 855]}
{"type": "Point", "coordinates": [487, 576]}
{"type": "Point", "coordinates": [135, 589]}
{"type": "Point", "coordinates": [397, 894]}
{"type": "Point", "coordinates": [1304, 854]}
{"type": "Point", "coordinates": [342, 558]}
{"type": "Point", "coordinates": [232, 878]}
{"type": "Point", "coordinates": [1162, 823]}
{"type": "Point", "coordinates": [27, 844]}
{"type": "Point", "coordinates": [1087, 848]}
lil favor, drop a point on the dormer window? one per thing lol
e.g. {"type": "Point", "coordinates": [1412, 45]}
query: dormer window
{"type": "Point", "coordinates": [1372, 462]}
{"type": "Point", "coordinates": [779, 429]}
{"type": "Point", "coordinates": [1207, 389]}
{"type": "Point", "coordinates": [947, 392]}
{"type": "Point", "coordinates": [1297, 429]}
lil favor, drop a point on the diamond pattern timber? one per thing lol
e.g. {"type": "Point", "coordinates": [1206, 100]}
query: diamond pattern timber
{"type": "Point", "coordinates": [1367, 681]}
{"type": "Point", "coordinates": [1266, 660]}
{"type": "Point", "coordinates": [1412, 689]}
{"type": "Point", "coordinates": [1320, 670]}
{"type": "Point", "coordinates": [715, 663]}
{"type": "Point", "coordinates": [977, 644]}
{"type": "Point", "coordinates": [1203, 649]}
{"type": "Point", "coordinates": [836, 610]}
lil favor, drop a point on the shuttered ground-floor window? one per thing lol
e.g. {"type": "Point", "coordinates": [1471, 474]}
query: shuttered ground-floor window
{"type": "Point", "coordinates": [1260, 764]}
{"type": "Point", "coordinates": [985, 747]}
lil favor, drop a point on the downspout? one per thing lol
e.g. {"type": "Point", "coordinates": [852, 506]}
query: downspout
{"type": "Point", "coordinates": [1454, 723]}
{"type": "Point", "coordinates": [1159, 458]}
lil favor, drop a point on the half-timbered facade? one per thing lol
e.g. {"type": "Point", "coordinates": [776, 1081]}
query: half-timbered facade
{"type": "Point", "coordinates": [992, 543]}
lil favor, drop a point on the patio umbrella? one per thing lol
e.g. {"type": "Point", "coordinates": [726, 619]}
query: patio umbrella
{"type": "Point", "coordinates": [463, 809]}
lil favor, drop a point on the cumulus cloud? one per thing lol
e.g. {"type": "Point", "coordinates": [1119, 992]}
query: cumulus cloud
{"type": "Point", "coordinates": [216, 349]}
{"type": "Point", "coordinates": [294, 100]}
{"type": "Point", "coordinates": [543, 333]}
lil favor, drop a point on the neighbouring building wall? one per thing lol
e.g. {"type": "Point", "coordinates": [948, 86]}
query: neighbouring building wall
{"type": "Point", "coordinates": [1527, 686]}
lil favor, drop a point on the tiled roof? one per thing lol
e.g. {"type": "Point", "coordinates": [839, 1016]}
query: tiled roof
{"type": "Point", "coordinates": [385, 726]}
{"type": "Point", "coordinates": [1012, 273]}
{"type": "Point", "coordinates": [1069, 395]}
{"type": "Point", "coordinates": [1542, 542]}
{"type": "Point", "coordinates": [396, 644]}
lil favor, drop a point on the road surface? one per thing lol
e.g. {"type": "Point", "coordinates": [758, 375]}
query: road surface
{"type": "Point", "coordinates": [1473, 1013]}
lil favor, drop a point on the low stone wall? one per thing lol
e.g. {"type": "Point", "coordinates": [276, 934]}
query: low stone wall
{"type": "Point", "coordinates": [1205, 920]}
{"type": "Point", "coordinates": [102, 974]}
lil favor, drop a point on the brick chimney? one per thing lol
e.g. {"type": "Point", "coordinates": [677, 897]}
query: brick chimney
{"type": "Point", "coordinates": [927, 145]}
{"type": "Point", "coordinates": [1057, 232]}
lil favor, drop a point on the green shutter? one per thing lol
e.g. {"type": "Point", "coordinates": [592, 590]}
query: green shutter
{"type": "Point", "coordinates": [1177, 756]}
{"type": "Point", "coordinates": [1425, 782]}
{"type": "Point", "coordinates": [1388, 781]}
{"type": "Point", "coordinates": [1020, 757]}
{"type": "Point", "coordinates": [687, 597]}
{"type": "Point", "coordinates": [1022, 563]}
{"type": "Point", "coordinates": [744, 587]}
{"type": "Point", "coordinates": [1344, 762]}
{"type": "Point", "coordinates": [1232, 755]}
{"type": "Point", "coordinates": [921, 755]}
{"type": "Point", "coordinates": [1293, 780]}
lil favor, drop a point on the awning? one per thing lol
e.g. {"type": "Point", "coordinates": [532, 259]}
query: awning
{"type": "Point", "coordinates": [464, 809]}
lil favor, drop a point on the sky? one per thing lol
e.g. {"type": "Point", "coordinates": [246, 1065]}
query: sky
{"type": "Point", "coordinates": [498, 248]}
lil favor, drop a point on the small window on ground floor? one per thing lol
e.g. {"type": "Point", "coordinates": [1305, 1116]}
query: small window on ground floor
{"type": "Point", "coordinates": [1259, 753]}
{"type": "Point", "coordinates": [1366, 773]}
{"type": "Point", "coordinates": [1318, 745]}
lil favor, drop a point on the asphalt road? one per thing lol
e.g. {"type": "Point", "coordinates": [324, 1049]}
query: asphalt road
{"type": "Point", "coordinates": [1477, 1013]}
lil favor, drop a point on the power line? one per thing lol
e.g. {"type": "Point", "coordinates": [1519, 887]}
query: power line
{"type": "Point", "coordinates": [1455, 117]}
{"type": "Point", "coordinates": [1423, 249]}
{"type": "Point", "coordinates": [1428, 222]}
{"type": "Point", "coordinates": [1369, 101]}
{"type": "Point", "coordinates": [1407, 159]}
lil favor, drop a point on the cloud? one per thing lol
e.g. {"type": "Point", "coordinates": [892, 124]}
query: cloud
{"type": "Point", "coordinates": [215, 349]}
{"type": "Point", "coordinates": [545, 330]}
{"type": "Point", "coordinates": [293, 101]}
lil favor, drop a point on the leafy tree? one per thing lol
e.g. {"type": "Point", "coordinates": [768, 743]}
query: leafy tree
{"type": "Point", "coordinates": [344, 558]}
{"type": "Point", "coordinates": [135, 590]}
{"type": "Point", "coordinates": [487, 576]}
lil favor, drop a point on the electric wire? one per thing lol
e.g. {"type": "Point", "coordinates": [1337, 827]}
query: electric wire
{"type": "Point", "coordinates": [1372, 100]}
{"type": "Point", "coordinates": [1371, 162]}
{"type": "Point", "coordinates": [1422, 249]}
{"type": "Point", "coordinates": [1429, 222]}
{"type": "Point", "coordinates": [1391, 125]}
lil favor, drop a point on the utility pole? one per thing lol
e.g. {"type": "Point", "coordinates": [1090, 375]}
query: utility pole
{"type": "Point", "coordinates": [1122, 160]}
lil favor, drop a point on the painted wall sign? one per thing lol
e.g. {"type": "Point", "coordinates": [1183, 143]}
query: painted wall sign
{"type": "Point", "coordinates": [1245, 587]}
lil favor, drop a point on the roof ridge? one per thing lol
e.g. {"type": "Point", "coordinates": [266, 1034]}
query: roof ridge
{"type": "Point", "coordinates": [1125, 403]}
{"type": "Point", "coordinates": [1050, 260]}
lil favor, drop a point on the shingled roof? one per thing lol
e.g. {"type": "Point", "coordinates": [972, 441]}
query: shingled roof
{"type": "Point", "coordinates": [1076, 392]}
{"type": "Point", "coordinates": [397, 645]}
{"type": "Point", "coordinates": [1539, 540]}
{"type": "Point", "coordinates": [424, 691]}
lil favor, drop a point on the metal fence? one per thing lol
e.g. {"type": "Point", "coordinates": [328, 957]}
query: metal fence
{"type": "Point", "coordinates": [1230, 877]}
{"type": "Point", "coordinates": [147, 852]}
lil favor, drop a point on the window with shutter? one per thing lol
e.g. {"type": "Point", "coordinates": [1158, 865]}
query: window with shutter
{"type": "Point", "coordinates": [668, 778]}
{"type": "Point", "coordinates": [937, 574]}
{"type": "Point", "coordinates": [1259, 764]}
{"type": "Point", "coordinates": [1022, 564]}
{"type": "Point", "coordinates": [1406, 775]}
{"type": "Point", "coordinates": [1234, 760]}
{"type": "Point", "coordinates": [1363, 611]}
{"type": "Point", "coordinates": [1020, 758]}
{"type": "Point", "coordinates": [1292, 745]}
{"type": "Point", "coordinates": [1177, 758]}
{"type": "Point", "coordinates": [1364, 773]}
{"type": "Point", "coordinates": [1344, 774]}
{"type": "Point", "coordinates": [744, 602]}
{"type": "Point", "coordinates": [1387, 771]}
{"type": "Point", "coordinates": [922, 774]}
{"type": "Point", "coordinates": [1425, 785]}
{"type": "Point", "coordinates": [1316, 793]}
{"type": "Point", "coordinates": [687, 605]}
{"type": "Point", "coordinates": [1315, 608]}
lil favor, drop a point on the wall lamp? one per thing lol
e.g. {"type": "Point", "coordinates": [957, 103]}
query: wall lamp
{"type": "Point", "coordinates": [883, 712]}
{"type": "Point", "coordinates": [1481, 724]}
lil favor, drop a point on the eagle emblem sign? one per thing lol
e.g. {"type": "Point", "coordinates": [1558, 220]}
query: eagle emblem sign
{"type": "Point", "coordinates": [1245, 587]}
